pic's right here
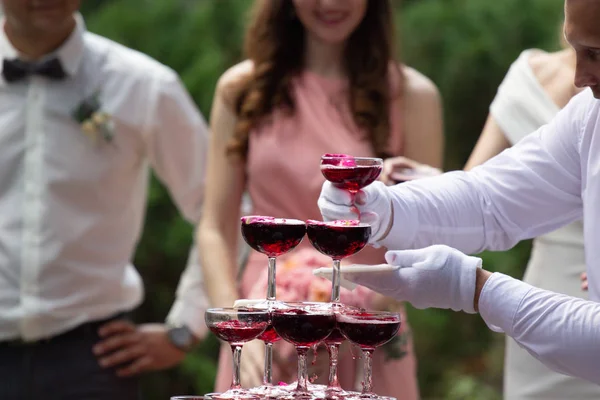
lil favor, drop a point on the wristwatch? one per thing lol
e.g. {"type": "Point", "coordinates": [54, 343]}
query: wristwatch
{"type": "Point", "coordinates": [182, 337]}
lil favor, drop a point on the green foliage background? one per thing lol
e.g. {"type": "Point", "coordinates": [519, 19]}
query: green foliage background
{"type": "Point", "coordinates": [464, 46]}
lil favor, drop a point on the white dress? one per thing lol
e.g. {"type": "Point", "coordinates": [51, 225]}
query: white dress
{"type": "Point", "coordinates": [520, 107]}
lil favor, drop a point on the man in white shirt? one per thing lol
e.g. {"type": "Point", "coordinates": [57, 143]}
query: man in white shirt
{"type": "Point", "coordinates": [82, 120]}
{"type": "Point", "coordinates": [549, 179]}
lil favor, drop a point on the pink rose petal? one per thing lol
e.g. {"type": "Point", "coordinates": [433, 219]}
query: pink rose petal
{"type": "Point", "coordinates": [339, 160]}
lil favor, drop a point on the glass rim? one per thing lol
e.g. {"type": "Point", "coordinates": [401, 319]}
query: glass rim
{"type": "Point", "coordinates": [236, 310]}
{"type": "Point", "coordinates": [317, 305]}
{"type": "Point", "coordinates": [329, 224]}
{"type": "Point", "coordinates": [374, 315]}
{"type": "Point", "coordinates": [377, 159]}
{"type": "Point", "coordinates": [259, 304]}
{"type": "Point", "coordinates": [271, 220]}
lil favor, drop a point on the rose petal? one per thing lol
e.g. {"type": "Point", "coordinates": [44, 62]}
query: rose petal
{"type": "Point", "coordinates": [340, 160]}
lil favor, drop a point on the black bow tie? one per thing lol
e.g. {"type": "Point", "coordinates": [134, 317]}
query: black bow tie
{"type": "Point", "coordinates": [15, 70]}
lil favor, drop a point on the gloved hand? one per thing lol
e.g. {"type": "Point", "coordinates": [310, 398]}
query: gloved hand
{"type": "Point", "coordinates": [372, 205]}
{"type": "Point", "coordinates": [436, 276]}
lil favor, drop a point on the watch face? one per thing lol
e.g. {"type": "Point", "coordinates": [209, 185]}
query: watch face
{"type": "Point", "coordinates": [181, 337]}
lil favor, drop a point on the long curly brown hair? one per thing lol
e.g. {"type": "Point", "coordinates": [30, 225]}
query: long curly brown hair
{"type": "Point", "coordinates": [275, 43]}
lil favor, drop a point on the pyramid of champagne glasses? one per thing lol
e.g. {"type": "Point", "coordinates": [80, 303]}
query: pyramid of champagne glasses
{"type": "Point", "coordinates": [306, 324]}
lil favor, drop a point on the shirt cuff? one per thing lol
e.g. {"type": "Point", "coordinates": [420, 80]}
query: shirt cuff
{"type": "Point", "coordinates": [404, 225]}
{"type": "Point", "coordinates": [189, 314]}
{"type": "Point", "coordinates": [500, 300]}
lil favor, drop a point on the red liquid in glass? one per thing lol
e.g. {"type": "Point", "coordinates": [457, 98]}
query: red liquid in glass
{"type": "Point", "coordinates": [273, 239]}
{"type": "Point", "coordinates": [351, 178]}
{"type": "Point", "coordinates": [335, 337]}
{"type": "Point", "coordinates": [338, 242]}
{"type": "Point", "coordinates": [369, 334]}
{"type": "Point", "coordinates": [303, 328]}
{"type": "Point", "coordinates": [238, 331]}
{"type": "Point", "coordinates": [269, 335]}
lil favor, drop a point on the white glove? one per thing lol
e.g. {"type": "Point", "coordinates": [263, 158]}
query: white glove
{"type": "Point", "coordinates": [436, 276]}
{"type": "Point", "coordinates": [372, 205]}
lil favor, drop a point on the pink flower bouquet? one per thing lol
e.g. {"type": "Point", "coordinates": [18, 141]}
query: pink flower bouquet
{"type": "Point", "coordinates": [296, 282]}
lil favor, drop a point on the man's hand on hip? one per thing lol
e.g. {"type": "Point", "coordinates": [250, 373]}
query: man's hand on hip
{"type": "Point", "coordinates": [136, 349]}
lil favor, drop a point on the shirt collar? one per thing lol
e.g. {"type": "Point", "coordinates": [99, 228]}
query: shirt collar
{"type": "Point", "coordinates": [69, 53]}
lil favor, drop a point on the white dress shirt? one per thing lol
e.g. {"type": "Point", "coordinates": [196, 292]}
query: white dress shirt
{"type": "Point", "coordinates": [557, 258]}
{"type": "Point", "coordinates": [547, 180]}
{"type": "Point", "coordinates": [72, 206]}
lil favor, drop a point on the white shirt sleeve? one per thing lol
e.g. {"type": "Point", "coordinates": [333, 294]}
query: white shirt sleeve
{"type": "Point", "coordinates": [562, 332]}
{"type": "Point", "coordinates": [191, 302]}
{"type": "Point", "coordinates": [177, 144]}
{"type": "Point", "coordinates": [527, 190]}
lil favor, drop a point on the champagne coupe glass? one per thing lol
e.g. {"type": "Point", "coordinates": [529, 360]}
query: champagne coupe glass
{"type": "Point", "coordinates": [368, 330]}
{"type": "Point", "coordinates": [272, 237]}
{"type": "Point", "coordinates": [350, 173]}
{"type": "Point", "coordinates": [337, 239]}
{"type": "Point", "coordinates": [236, 326]}
{"type": "Point", "coordinates": [304, 325]}
{"type": "Point", "coordinates": [269, 337]}
{"type": "Point", "coordinates": [333, 342]}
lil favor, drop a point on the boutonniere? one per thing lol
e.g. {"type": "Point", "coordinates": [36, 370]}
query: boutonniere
{"type": "Point", "coordinates": [94, 122]}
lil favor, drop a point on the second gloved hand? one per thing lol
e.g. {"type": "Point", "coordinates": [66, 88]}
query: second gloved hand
{"type": "Point", "coordinates": [436, 276]}
{"type": "Point", "coordinates": [372, 205]}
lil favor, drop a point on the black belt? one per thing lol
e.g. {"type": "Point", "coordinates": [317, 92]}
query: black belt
{"type": "Point", "coordinates": [88, 329]}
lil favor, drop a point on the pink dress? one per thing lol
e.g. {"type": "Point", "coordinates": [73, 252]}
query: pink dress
{"type": "Point", "coordinates": [284, 180]}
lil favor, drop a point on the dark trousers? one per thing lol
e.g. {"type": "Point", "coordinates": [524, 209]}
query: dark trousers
{"type": "Point", "coordinates": [61, 368]}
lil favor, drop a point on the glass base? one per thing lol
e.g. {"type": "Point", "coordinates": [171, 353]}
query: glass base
{"type": "Point", "coordinates": [315, 392]}
{"type": "Point", "coordinates": [271, 391]}
{"type": "Point", "coordinates": [300, 396]}
{"type": "Point", "coordinates": [233, 394]}
{"type": "Point", "coordinates": [337, 393]}
{"type": "Point", "coordinates": [368, 396]}
{"type": "Point", "coordinates": [189, 397]}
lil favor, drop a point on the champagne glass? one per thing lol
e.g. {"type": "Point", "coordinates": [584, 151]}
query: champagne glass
{"type": "Point", "coordinates": [304, 325]}
{"type": "Point", "coordinates": [269, 337]}
{"type": "Point", "coordinates": [333, 343]}
{"type": "Point", "coordinates": [350, 173]}
{"type": "Point", "coordinates": [368, 330]}
{"type": "Point", "coordinates": [236, 326]}
{"type": "Point", "coordinates": [272, 237]}
{"type": "Point", "coordinates": [337, 239]}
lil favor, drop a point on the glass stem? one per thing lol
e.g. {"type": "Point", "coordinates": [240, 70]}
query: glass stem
{"type": "Point", "coordinates": [302, 370]}
{"type": "Point", "coordinates": [333, 350]}
{"type": "Point", "coordinates": [335, 282]}
{"type": "Point", "coordinates": [271, 283]}
{"type": "Point", "coordinates": [268, 376]}
{"type": "Point", "coordinates": [368, 372]}
{"type": "Point", "coordinates": [237, 357]}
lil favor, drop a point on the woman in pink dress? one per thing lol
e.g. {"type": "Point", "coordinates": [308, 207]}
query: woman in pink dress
{"type": "Point", "coordinates": [320, 77]}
